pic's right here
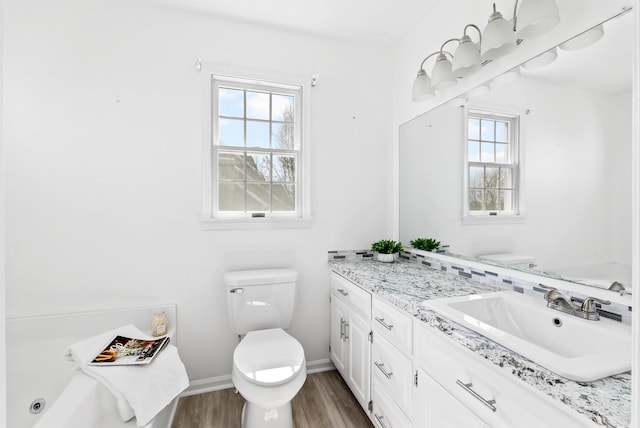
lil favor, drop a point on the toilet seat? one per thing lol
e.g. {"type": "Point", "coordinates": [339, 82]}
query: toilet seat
{"type": "Point", "coordinates": [269, 357]}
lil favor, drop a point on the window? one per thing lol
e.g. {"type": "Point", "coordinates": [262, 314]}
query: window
{"type": "Point", "coordinates": [492, 171]}
{"type": "Point", "coordinates": [255, 150]}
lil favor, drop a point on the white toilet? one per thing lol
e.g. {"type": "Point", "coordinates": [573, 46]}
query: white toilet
{"type": "Point", "coordinates": [269, 366]}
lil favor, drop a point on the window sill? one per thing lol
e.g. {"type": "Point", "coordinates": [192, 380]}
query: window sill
{"type": "Point", "coordinates": [493, 219]}
{"type": "Point", "coordinates": [255, 223]}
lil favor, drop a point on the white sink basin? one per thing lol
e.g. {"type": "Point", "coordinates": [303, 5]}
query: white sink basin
{"type": "Point", "coordinates": [572, 347]}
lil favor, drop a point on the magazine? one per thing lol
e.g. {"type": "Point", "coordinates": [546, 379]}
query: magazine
{"type": "Point", "coordinates": [129, 351]}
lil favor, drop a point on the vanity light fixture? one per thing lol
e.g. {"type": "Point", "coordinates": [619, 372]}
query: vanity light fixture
{"type": "Point", "coordinates": [541, 60]}
{"type": "Point", "coordinates": [441, 76]}
{"type": "Point", "coordinates": [583, 40]}
{"type": "Point", "coordinates": [531, 19]}
{"type": "Point", "coordinates": [422, 89]}
{"type": "Point", "coordinates": [466, 58]}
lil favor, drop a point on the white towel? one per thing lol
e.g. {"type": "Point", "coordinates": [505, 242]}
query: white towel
{"type": "Point", "coordinates": [147, 389]}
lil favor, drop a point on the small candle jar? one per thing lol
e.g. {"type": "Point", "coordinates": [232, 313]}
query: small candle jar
{"type": "Point", "coordinates": [159, 324]}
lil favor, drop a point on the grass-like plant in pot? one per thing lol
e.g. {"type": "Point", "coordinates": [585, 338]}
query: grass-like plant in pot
{"type": "Point", "coordinates": [425, 244]}
{"type": "Point", "coordinates": [386, 249]}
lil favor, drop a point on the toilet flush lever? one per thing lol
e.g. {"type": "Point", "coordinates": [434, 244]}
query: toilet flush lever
{"type": "Point", "coordinates": [237, 290]}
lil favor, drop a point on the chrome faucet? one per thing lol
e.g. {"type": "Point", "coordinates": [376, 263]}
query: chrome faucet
{"type": "Point", "coordinates": [558, 301]}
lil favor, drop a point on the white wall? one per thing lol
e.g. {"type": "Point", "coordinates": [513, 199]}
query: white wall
{"type": "Point", "coordinates": [3, 367]}
{"type": "Point", "coordinates": [575, 178]}
{"type": "Point", "coordinates": [103, 153]}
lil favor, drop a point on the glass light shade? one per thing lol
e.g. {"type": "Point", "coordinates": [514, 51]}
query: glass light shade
{"type": "Point", "coordinates": [466, 59]}
{"type": "Point", "coordinates": [498, 38]}
{"type": "Point", "coordinates": [583, 40]}
{"type": "Point", "coordinates": [541, 60]}
{"type": "Point", "coordinates": [442, 77]}
{"type": "Point", "coordinates": [536, 17]}
{"type": "Point", "coordinates": [422, 89]}
{"type": "Point", "coordinates": [507, 77]}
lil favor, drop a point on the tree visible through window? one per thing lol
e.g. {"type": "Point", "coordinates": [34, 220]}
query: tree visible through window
{"type": "Point", "coordinates": [492, 163]}
{"type": "Point", "coordinates": [256, 148]}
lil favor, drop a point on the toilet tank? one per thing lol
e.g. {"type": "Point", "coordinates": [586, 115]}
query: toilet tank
{"type": "Point", "coordinates": [517, 260]}
{"type": "Point", "coordinates": [260, 299]}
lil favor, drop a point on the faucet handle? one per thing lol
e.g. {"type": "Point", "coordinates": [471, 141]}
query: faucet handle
{"type": "Point", "coordinates": [589, 304]}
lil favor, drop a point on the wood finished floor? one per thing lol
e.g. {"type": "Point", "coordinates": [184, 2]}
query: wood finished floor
{"type": "Point", "coordinates": [324, 401]}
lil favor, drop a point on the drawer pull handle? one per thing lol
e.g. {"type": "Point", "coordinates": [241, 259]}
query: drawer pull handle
{"type": "Point", "coordinates": [380, 366]}
{"type": "Point", "coordinates": [341, 291]}
{"type": "Point", "coordinates": [384, 324]}
{"type": "Point", "coordinates": [467, 387]}
{"type": "Point", "coordinates": [379, 418]}
{"type": "Point", "coordinates": [341, 328]}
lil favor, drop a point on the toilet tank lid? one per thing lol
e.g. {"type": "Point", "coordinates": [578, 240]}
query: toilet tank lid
{"type": "Point", "coordinates": [508, 258]}
{"type": "Point", "coordinates": [260, 276]}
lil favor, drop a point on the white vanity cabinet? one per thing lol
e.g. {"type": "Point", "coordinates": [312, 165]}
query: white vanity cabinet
{"type": "Point", "coordinates": [350, 336]}
{"type": "Point", "coordinates": [496, 398]}
{"type": "Point", "coordinates": [392, 366]}
{"type": "Point", "coordinates": [436, 408]}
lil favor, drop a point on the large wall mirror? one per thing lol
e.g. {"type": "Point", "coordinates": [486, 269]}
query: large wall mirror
{"type": "Point", "coordinates": [574, 161]}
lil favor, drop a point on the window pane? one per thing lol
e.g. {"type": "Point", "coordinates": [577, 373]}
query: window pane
{"type": "Point", "coordinates": [476, 177]}
{"type": "Point", "coordinates": [257, 134]}
{"type": "Point", "coordinates": [474, 151]}
{"type": "Point", "coordinates": [502, 132]}
{"type": "Point", "coordinates": [258, 167]}
{"type": "Point", "coordinates": [257, 105]}
{"type": "Point", "coordinates": [474, 129]}
{"type": "Point", "coordinates": [283, 108]}
{"type": "Point", "coordinates": [502, 153]}
{"type": "Point", "coordinates": [231, 102]}
{"type": "Point", "coordinates": [284, 168]}
{"type": "Point", "coordinates": [507, 200]}
{"type": "Point", "coordinates": [492, 177]}
{"type": "Point", "coordinates": [284, 197]}
{"type": "Point", "coordinates": [487, 152]}
{"type": "Point", "coordinates": [476, 198]}
{"type": "Point", "coordinates": [492, 200]}
{"type": "Point", "coordinates": [258, 197]}
{"type": "Point", "coordinates": [282, 136]}
{"type": "Point", "coordinates": [506, 178]}
{"type": "Point", "coordinates": [231, 132]}
{"type": "Point", "coordinates": [230, 166]}
{"type": "Point", "coordinates": [231, 196]}
{"type": "Point", "coordinates": [486, 130]}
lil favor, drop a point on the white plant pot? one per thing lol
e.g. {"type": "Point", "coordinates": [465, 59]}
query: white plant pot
{"type": "Point", "coordinates": [386, 258]}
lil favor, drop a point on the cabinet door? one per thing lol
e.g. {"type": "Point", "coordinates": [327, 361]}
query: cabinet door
{"type": "Point", "coordinates": [339, 320]}
{"type": "Point", "coordinates": [359, 357]}
{"type": "Point", "coordinates": [436, 408]}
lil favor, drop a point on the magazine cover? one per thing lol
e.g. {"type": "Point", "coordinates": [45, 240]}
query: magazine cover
{"type": "Point", "coordinates": [126, 351]}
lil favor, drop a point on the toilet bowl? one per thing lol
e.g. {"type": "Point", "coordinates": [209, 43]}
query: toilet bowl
{"type": "Point", "coordinates": [269, 365]}
{"type": "Point", "coordinates": [268, 371]}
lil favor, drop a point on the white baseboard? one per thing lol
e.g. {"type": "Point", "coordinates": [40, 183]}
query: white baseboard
{"type": "Point", "coordinates": [224, 382]}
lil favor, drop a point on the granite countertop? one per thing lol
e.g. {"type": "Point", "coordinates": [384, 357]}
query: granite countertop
{"type": "Point", "coordinates": [607, 402]}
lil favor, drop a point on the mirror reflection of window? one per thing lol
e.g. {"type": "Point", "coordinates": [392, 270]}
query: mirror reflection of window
{"type": "Point", "coordinates": [492, 163]}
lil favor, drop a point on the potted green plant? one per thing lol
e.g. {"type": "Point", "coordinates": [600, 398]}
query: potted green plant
{"type": "Point", "coordinates": [386, 249]}
{"type": "Point", "coordinates": [425, 244]}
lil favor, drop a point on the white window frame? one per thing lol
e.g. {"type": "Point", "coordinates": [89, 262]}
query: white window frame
{"type": "Point", "coordinates": [212, 77]}
{"type": "Point", "coordinates": [505, 217]}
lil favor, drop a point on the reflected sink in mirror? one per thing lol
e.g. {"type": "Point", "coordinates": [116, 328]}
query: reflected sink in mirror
{"type": "Point", "coordinates": [569, 346]}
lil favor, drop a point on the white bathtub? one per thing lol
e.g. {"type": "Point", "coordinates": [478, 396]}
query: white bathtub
{"type": "Point", "coordinates": [38, 370]}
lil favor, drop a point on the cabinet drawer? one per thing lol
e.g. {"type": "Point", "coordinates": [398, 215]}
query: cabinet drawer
{"type": "Point", "coordinates": [475, 383]}
{"type": "Point", "coordinates": [385, 413]}
{"type": "Point", "coordinates": [392, 372]}
{"type": "Point", "coordinates": [393, 324]}
{"type": "Point", "coordinates": [354, 296]}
